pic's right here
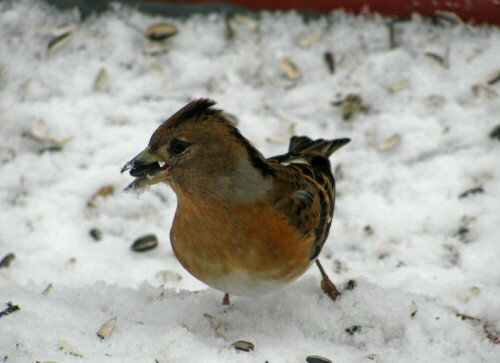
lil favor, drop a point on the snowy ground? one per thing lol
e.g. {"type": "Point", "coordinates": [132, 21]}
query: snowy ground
{"type": "Point", "coordinates": [427, 256]}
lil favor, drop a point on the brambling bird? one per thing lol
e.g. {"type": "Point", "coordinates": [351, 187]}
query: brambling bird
{"type": "Point", "coordinates": [244, 225]}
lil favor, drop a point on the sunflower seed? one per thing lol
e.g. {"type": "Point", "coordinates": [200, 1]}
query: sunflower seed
{"type": "Point", "coordinates": [218, 324]}
{"type": "Point", "coordinates": [10, 309]}
{"type": "Point", "coordinates": [46, 291]}
{"type": "Point", "coordinates": [368, 229]}
{"type": "Point", "coordinates": [351, 285]}
{"type": "Point", "coordinates": [58, 40]}
{"type": "Point", "coordinates": [329, 58]}
{"type": "Point", "coordinates": [439, 55]}
{"type": "Point", "coordinates": [103, 192]}
{"type": "Point", "coordinates": [350, 106]}
{"type": "Point", "coordinates": [101, 83]}
{"type": "Point", "coordinates": [6, 154]}
{"type": "Point", "coordinates": [390, 143]}
{"type": "Point", "coordinates": [40, 130]}
{"type": "Point", "coordinates": [479, 89]}
{"type": "Point", "coordinates": [494, 78]}
{"type": "Point", "coordinates": [145, 243]}
{"type": "Point", "coordinates": [317, 359]}
{"type": "Point", "coordinates": [468, 192]}
{"type": "Point", "coordinates": [243, 345]}
{"type": "Point", "coordinates": [161, 31]}
{"type": "Point", "coordinates": [96, 234]}
{"type": "Point", "coordinates": [310, 39]}
{"type": "Point", "coordinates": [391, 26]}
{"type": "Point", "coordinates": [290, 69]}
{"type": "Point", "coordinates": [5, 262]}
{"type": "Point", "coordinates": [495, 133]}
{"type": "Point", "coordinates": [467, 294]}
{"type": "Point", "coordinates": [64, 345]}
{"type": "Point", "coordinates": [107, 328]}
{"type": "Point", "coordinates": [413, 309]}
{"type": "Point", "coordinates": [353, 329]}
{"type": "Point", "coordinates": [396, 86]}
{"type": "Point", "coordinates": [448, 16]}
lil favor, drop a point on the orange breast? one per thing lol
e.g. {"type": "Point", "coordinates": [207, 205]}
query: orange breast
{"type": "Point", "coordinates": [214, 241]}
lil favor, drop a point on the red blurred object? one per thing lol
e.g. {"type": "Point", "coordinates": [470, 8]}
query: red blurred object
{"type": "Point", "coordinates": [471, 11]}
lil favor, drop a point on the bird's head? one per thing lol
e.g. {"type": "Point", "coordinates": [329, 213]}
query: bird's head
{"type": "Point", "coordinates": [198, 151]}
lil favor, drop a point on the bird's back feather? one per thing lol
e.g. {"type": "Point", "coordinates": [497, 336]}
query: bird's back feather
{"type": "Point", "coordinates": [308, 187]}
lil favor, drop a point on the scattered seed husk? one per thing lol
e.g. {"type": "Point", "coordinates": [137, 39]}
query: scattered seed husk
{"type": "Point", "coordinates": [145, 243]}
{"type": "Point", "coordinates": [103, 192]}
{"type": "Point", "coordinates": [350, 106]}
{"type": "Point", "coordinates": [467, 294]}
{"type": "Point", "coordinates": [495, 133]}
{"type": "Point", "coordinates": [368, 229]}
{"type": "Point", "coordinates": [101, 83]}
{"type": "Point", "coordinates": [310, 39]}
{"type": "Point", "coordinates": [396, 86]}
{"type": "Point", "coordinates": [350, 285]}
{"type": "Point", "coordinates": [96, 234]}
{"type": "Point", "coordinates": [494, 78]}
{"type": "Point", "coordinates": [475, 190]}
{"type": "Point", "coordinates": [480, 89]}
{"type": "Point", "coordinates": [161, 31]}
{"type": "Point", "coordinates": [5, 262]}
{"type": "Point", "coordinates": [353, 329]}
{"type": "Point", "coordinates": [389, 143]}
{"type": "Point", "coordinates": [57, 41]}
{"type": "Point", "coordinates": [6, 154]}
{"type": "Point", "coordinates": [46, 291]}
{"type": "Point", "coordinates": [317, 359]}
{"type": "Point", "coordinates": [155, 48]}
{"type": "Point", "coordinates": [243, 345]}
{"type": "Point", "coordinates": [448, 16]}
{"type": "Point", "coordinates": [40, 132]}
{"type": "Point", "coordinates": [64, 345]}
{"type": "Point", "coordinates": [10, 309]}
{"type": "Point", "coordinates": [218, 325]}
{"type": "Point", "coordinates": [229, 29]}
{"type": "Point", "coordinates": [168, 276]}
{"type": "Point", "coordinates": [440, 56]}
{"type": "Point", "coordinates": [107, 328]}
{"type": "Point", "coordinates": [391, 26]}
{"type": "Point", "coordinates": [435, 101]}
{"type": "Point", "coordinates": [246, 21]}
{"type": "Point", "coordinates": [386, 145]}
{"type": "Point", "coordinates": [413, 309]}
{"type": "Point", "coordinates": [329, 58]}
{"type": "Point", "coordinates": [451, 254]}
{"type": "Point", "coordinates": [290, 69]}
{"type": "Point", "coordinates": [50, 149]}
{"type": "Point", "coordinates": [371, 356]}
{"type": "Point", "coordinates": [492, 337]}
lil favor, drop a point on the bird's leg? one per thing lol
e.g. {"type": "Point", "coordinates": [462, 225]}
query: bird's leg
{"type": "Point", "coordinates": [326, 284]}
{"type": "Point", "coordinates": [225, 300]}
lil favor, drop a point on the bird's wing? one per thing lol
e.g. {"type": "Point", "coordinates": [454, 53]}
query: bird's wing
{"type": "Point", "coordinates": [307, 199]}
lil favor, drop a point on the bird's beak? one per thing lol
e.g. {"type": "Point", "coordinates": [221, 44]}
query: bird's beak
{"type": "Point", "coordinates": [147, 170]}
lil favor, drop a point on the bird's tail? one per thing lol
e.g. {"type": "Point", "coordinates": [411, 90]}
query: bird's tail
{"type": "Point", "coordinates": [304, 146]}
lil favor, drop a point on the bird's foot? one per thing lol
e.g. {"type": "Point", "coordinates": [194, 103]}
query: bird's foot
{"type": "Point", "coordinates": [329, 289]}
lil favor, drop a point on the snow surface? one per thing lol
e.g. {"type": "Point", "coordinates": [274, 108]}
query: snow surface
{"type": "Point", "coordinates": [415, 259]}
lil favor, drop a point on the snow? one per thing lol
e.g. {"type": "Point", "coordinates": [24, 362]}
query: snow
{"type": "Point", "coordinates": [415, 259]}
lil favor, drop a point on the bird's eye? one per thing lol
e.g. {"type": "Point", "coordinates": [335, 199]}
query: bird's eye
{"type": "Point", "coordinates": [178, 147]}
